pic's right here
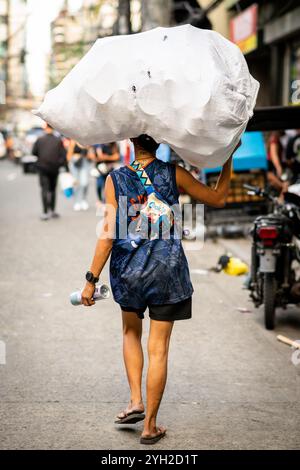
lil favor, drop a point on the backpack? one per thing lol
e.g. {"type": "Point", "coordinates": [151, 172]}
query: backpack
{"type": "Point", "coordinates": [155, 216]}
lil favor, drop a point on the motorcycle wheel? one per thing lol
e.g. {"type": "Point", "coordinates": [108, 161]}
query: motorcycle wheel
{"type": "Point", "coordinates": [269, 300]}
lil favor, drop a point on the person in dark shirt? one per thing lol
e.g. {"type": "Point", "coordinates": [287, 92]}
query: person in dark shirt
{"type": "Point", "coordinates": [79, 159]}
{"type": "Point", "coordinates": [275, 162]}
{"type": "Point", "coordinates": [293, 156]}
{"type": "Point", "coordinates": [106, 156]}
{"type": "Point", "coordinates": [51, 155]}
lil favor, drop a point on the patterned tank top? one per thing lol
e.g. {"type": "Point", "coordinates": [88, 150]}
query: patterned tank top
{"type": "Point", "coordinates": [153, 271]}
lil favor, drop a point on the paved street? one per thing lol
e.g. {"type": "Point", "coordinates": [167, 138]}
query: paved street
{"type": "Point", "coordinates": [231, 384]}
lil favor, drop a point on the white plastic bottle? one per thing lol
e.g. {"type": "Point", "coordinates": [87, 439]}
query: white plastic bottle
{"type": "Point", "coordinates": [101, 292]}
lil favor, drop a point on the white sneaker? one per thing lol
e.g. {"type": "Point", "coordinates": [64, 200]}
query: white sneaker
{"type": "Point", "coordinates": [84, 206]}
{"type": "Point", "coordinates": [54, 215]}
{"type": "Point", "coordinates": [77, 207]}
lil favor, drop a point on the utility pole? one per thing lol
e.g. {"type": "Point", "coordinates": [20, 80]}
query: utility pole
{"type": "Point", "coordinates": [156, 13]}
{"type": "Point", "coordinates": [124, 17]}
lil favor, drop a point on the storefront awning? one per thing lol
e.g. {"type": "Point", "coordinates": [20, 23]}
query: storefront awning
{"type": "Point", "coordinates": [274, 118]}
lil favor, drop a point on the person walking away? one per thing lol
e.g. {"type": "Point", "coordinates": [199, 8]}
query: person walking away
{"type": "Point", "coordinates": [51, 154]}
{"type": "Point", "coordinates": [9, 144]}
{"type": "Point", "coordinates": [79, 162]}
{"type": "Point", "coordinates": [152, 272]}
{"type": "Point", "coordinates": [293, 157]}
{"type": "Point", "coordinates": [275, 162]}
{"type": "Point", "coordinates": [107, 155]}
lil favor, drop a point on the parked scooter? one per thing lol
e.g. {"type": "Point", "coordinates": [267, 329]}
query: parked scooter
{"type": "Point", "coordinates": [275, 255]}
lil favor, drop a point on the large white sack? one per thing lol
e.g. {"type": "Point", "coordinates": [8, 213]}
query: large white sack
{"type": "Point", "coordinates": [184, 86]}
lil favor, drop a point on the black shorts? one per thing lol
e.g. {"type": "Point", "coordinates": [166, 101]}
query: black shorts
{"type": "Point", "coordinates": [165, 312]}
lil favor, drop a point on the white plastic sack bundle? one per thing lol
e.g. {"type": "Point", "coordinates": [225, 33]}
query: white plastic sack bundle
{"type": "Point", "coordinates": [187, 87]}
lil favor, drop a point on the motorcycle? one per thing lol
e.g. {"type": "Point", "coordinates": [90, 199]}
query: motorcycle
{"type": "Point", "coordinates": [275, 255]}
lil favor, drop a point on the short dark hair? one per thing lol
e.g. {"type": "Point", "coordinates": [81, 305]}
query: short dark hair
{"type": "Point", "coordinates": [147, 143]}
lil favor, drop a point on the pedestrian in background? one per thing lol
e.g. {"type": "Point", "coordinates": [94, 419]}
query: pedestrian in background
{"type": "Point", "coordinates": [275, 162]}
{"type": "Point", "coordinates": [51, 154]}
{"type": "Point", "coordinates": [293, 156]}
{"type": "Point", "coordinates": [107, 155]}
{"type": "Point", "coordinates": [79, 162]}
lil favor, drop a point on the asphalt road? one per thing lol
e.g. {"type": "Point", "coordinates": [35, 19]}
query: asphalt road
{"type": "Point", "coordinates": [231, 385]}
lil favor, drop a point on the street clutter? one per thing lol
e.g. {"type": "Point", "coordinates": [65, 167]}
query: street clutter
{"type": "Point", "coordinates": [231, 265]}
{"type": "Point", "coordinates": [288, 341]}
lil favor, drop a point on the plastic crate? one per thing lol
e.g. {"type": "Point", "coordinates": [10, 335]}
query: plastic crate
{"type": "Point", "coordinates": [237, 193]}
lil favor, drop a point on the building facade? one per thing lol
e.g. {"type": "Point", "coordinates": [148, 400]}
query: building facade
{"type": "Point", "coordinates": [17, 80]}
{"type": "Point", "coordinates": [72, 34]}
{"type": "Point", "coordinates": [4, 31]}
{"type": "Point", "coordinates": [13, 76]}
{"type": "Point", "coordinates": [268, 33]}
{"type": "Point", "coordinates": [15, 100]}
{"type": "Point", "coordinates": [218, 16]}
{"type": "Point", "coordinates": [67, 44]}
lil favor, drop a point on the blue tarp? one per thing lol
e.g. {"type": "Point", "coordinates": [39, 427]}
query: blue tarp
{"type": "Point", "coordinates": [163, 153]}
{"type": "Point", "coordinates": [251, 155]}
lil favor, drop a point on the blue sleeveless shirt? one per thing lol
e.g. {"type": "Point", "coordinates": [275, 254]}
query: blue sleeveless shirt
{"type": "Point", "coordinates": [156, 271]}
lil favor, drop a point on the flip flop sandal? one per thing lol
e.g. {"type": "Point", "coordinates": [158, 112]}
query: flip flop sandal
{"type": "Point", "coordinates": [152, 440]}
{"type": "Point", "coordinates": [131, 418]}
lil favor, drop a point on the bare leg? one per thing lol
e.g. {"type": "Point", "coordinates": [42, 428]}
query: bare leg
{"type": "Point", "coordinates": [158, 349]}
{"type": "Point", "coordinates": [133, 359]}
